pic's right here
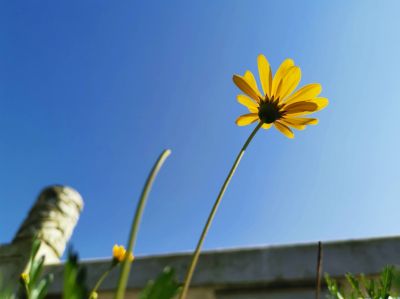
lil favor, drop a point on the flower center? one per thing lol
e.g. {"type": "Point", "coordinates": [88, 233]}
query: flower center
{"type": "Point", "coordinates": [269, 112]}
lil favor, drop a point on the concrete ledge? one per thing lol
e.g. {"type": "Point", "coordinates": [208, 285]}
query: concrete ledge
{"type": "Point", "coordinates": [275, 267]}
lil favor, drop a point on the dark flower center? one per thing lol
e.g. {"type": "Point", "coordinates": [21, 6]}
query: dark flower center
{"type": "Point", "coordinates": [269, 111]}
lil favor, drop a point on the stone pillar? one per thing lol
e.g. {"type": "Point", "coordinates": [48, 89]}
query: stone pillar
{"type": "Point", "coordinates": [51, 220]}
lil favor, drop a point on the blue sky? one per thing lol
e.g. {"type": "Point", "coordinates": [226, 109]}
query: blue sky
{"type": "Point", "coordinates": [92, 91]}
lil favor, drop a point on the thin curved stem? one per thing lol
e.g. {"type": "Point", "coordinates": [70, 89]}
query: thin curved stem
{"type": "Point", "coordinates": [211, 216]}
{"type": "Point", "coordinates": [126, 264]}
{"type": "Point", "coordinates": [101, 279]}
{"type": "Point", "coordinates": [27, 291]}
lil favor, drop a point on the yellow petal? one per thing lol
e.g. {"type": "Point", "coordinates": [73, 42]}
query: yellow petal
{"type": "Point", "coordinates": [307, 92]}
{"type": "Point", "coordinates": [118, 252]}
{"type": "Point", "coordinates": [246, 119]}
{"type": "Point", "coordinates": [115, 250]}
{"type": "Point", "coordinates": [278, 90]}
{"type": "Point", "coordinates": [280, 73]}
{"type": "Point", "coordinates": [247, 102]}
{"type": "Point", "coordinates": [321, 102]}
{"type": "Point", "coordinates": [245, 87]}
{"type": "Point", "coordinates": [289, 82]}
{"type": "Point", "coordinates": [251, 80]}
{"type": "Point", "coordinates": [300, 107]}
{"type": "Point", "coordinates": [264, 70]}
{"type": "Point", "coordinates": [301, 120]}
{"type": "Point", "coordinates": [291, 124]}
{"type": "Point", "coordinates": [284, 129]}
{"type": "Point", "coordinates": [317, 103]}
{"type": "Point", "coordinates": [266, 126]}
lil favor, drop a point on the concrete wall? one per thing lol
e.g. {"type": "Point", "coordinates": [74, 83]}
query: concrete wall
{"type": "Point", "coordinates": [275, 272]}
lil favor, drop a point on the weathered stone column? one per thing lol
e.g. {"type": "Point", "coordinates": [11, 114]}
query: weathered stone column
{"type": "Point", "coordinates": [51, 220]}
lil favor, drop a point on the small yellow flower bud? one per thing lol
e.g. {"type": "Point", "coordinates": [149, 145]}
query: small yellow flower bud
{"type": "Point", "coordinates": [25, 277]}
{"type": "Point", "coordinates": [119, 254]}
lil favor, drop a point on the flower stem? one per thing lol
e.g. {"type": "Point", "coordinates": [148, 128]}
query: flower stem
{"type": "Point", "coordinates": [101, 279]}
{"type": "Point", "coordinates": [211, 216]}
{"type": "Point", "coordinates": [126, 264]}
{"type": "Point", "coordinates": [27, 291]}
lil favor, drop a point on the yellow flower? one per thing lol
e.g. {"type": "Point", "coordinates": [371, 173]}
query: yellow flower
{"type": "Point", "coordinates": [119, 253]}
{"type": "Point", "coordinates": [278, 105]}
{"type": "Point", "coordinates": [25, 277]}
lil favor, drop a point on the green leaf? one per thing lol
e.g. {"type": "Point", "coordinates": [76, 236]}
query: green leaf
{"type": "Point", "coordinates": [74, 279]}
{"type": "Point", "coordinates": [333, 288]}
{"type": "Point", "coordinates": [395, 283]}
{"type": "Point", "coordinates": [354, 285]}
{"type": "Point", "coordinates": [40, 290]}
{"type": "Point", "coordinates": [387, 285]}
{"type": "Point", "coordinates": [369, 286]}
{"type": "Point", "coordinates": [36, 287]}
{"type": "Point", "coordinates": [164, 287]}
{"type": "Point", "coordinates": [386, 281]}
{"type": "Point", "coordinates": [35, 271]}
{"type": "Point", "coordinates": [35, 248]}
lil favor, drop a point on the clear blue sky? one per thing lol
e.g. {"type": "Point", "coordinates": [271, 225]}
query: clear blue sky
{"type": "Point", "coordinates": [92, 91]}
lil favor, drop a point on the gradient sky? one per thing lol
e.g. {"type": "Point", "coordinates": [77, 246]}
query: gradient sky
{"type": "Point", "coordinates": [92, 91]}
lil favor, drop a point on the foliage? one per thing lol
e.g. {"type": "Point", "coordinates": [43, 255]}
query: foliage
{"type": "Point", "coordinates": [34, 286]}
{"type": "Point", "coordinates": [5, 291]}
{"type": "Point", "coordinates": [164, 287]}
{"type": "Point", "coordinates": [387, 285]}
{"type": "Point", "coordinates": [74, 278]}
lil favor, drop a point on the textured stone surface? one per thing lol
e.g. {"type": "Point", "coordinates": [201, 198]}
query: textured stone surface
{"type": "Point", "coordinates": [51, 220]}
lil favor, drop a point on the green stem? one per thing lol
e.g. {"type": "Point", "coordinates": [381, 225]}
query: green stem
{"type": "Point", "coordinates": [126, 264]}
{"type": "Point", "coordinates": [211, 216]}
{"type": "Point", "coordinates": [27, 292]}
{"type": "Point", "coordinates": [101, 279]}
